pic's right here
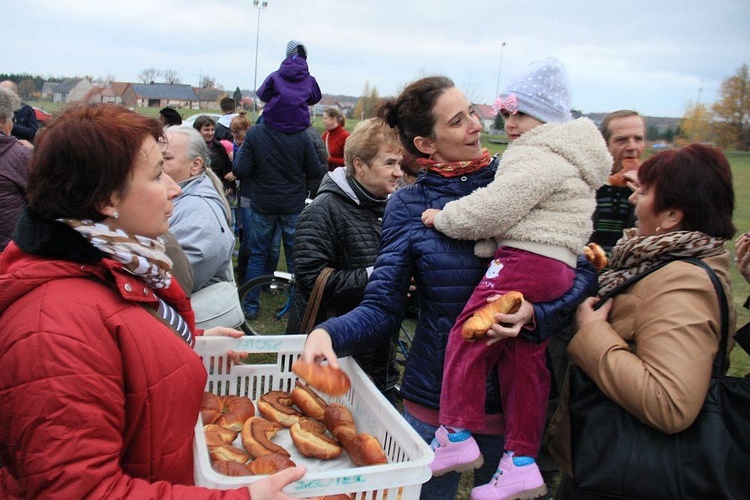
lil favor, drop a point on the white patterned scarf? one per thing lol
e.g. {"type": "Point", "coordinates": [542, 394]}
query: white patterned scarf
{"type": "Point", "coordinates": [141, 256]}
{"type": "Point", "coordinates": [634, 254]}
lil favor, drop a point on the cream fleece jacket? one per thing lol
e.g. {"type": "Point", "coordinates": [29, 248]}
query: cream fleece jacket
{"type": "Point", "coordinates": [543, 194]}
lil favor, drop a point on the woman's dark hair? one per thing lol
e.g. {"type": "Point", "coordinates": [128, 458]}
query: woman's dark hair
{"type": "Point", "coordinates": [696, 179]}
{"type": "Point", "coordinates": [171, 116]}
{"type": "Point", "coordinates": [83, 157]}
{"type": "Point", "coordinates": [202, 121]}
{"type": "Point", "coordinates": [411, 112]}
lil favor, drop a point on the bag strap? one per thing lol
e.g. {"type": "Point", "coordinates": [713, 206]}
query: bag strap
{"type": "Point", "coordinates": [720, 358]}
{"type": "Point", "coordinates": [313, 303]}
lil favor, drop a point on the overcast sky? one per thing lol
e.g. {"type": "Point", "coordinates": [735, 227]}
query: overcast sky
{"type": "Point", "coordinates": [655, 56]}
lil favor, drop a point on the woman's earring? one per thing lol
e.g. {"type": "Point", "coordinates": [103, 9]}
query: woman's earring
{"type": "Point", "coordinates": [658, 230]}
{"type": "Point", "coordinates": [116, 215]}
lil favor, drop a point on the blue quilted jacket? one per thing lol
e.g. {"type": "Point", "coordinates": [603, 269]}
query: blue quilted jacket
{"type": "Point", "coordinates": [445, 272]}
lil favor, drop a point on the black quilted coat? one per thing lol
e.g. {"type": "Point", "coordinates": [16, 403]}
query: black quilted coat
{"type": "Point", "coordinates": [341, 229]}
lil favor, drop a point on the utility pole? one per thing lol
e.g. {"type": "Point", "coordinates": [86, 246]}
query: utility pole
{"type": "Point", "coordinates": [499, 69]}
{"type": "Point", "coordinates": [260, 5]}
{"type": "Point", "coordinates": [695, 112]}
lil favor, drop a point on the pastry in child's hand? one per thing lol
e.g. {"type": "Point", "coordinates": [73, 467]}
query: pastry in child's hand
{"type": "Point", "coordinates": [323, 378]}
{"type": "Point", "coordinates": [483, 318]}
{"type": "Point", "coordinates": [596, 255]}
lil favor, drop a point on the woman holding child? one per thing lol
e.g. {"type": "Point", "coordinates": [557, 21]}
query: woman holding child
{"type": "Point", "coordinates": [436, 123]}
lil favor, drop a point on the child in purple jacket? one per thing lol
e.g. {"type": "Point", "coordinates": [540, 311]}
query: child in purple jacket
{"type": "Point", "coordinates": [289, 91]}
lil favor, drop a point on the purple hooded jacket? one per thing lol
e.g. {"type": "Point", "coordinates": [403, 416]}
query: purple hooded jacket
{"type": "Point", "coordinates": [287, 93]}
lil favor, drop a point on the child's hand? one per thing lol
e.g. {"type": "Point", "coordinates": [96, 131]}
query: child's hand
{"type": "Point", "coordinates": [428, 217]}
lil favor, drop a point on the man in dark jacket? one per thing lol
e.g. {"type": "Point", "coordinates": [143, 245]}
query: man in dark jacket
{"type": "Point", "coordinates": [274, 169]}
{"type": "Point", "coordinates": [25, 123]}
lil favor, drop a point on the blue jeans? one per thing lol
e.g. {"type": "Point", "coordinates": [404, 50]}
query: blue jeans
{"type": "Point", "coordinates": [446, 487]}
{"type": "Point", "coordinates": [244, 252]}
{"type": "Point", "coordinates": [261, 231]}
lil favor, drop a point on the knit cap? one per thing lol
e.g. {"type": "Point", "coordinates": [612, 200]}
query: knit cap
{"type": "Point", "coordinates": [295, 48]}
{"type": "Point", "coordinates": [543, 92]}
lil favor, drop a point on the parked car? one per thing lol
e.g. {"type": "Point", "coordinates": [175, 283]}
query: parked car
{"type": "Point", "coordinates": [42, 116]}
{"type": "Point", "coordinates": [190, 120]}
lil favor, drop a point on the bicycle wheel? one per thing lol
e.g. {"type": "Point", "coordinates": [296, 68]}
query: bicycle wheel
{"type": "Point", "coordinates": [275, 296]}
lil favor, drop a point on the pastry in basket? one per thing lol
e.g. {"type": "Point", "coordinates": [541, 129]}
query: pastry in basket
{"type": "Point", "coordinates": [232, 469]}
{"type": "Point", "coordinates": [362, 448]}
{"type": "Point", "coordinates": [216, 435]}
{"type": "Point", "coordinates": [307, 400]}
{"type": "Point", "coordinates": [256, 437]}
{"type": "Point", "coordinates": [277, 406]}
{"type": "Point", "coordinates": [310, 439]}
{"type": "Point", "coordinates": [227, 453]}
{"type": "Point", "coordinates": [270, 464]}
{"type": "Point", "coordinates": [477, 325]}
{"type": "Point", "coordinates": [323, 378]}
{"type": "Point", "coordinates": [210, 408]}
{"type": "Point", "coordinates": [234, 411]}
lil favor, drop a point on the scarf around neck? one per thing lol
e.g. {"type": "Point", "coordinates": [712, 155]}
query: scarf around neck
{"type": "Point", "coordinates": [141, 256]}
{"type": "Point", "coordinates": [634, 254]}
{"type": "Point", "coordinates": [456, 168]}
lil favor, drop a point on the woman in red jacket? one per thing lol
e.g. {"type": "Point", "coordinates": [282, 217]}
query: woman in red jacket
{"type": "Point", "coordinates": [100, 388]}
{"type": "Point", "coordinates": [334, 137]}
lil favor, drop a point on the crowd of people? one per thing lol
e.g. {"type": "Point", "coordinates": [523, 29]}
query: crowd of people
{"type": "Point", "coordinates": [111, 221]}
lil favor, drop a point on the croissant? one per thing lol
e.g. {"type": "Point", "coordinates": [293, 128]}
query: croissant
{"type": "Point", "coordinates": [323, 378]}
{"type": "Point", "coordinates": [618, 179]}
{"type": "Point", "coordinates": [477, 325]}
{"type": "Point", "coordinates": [596, 255]}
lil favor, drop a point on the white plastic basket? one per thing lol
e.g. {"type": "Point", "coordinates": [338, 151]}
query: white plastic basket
{"type": "Point", "coordinates": [408, 455]}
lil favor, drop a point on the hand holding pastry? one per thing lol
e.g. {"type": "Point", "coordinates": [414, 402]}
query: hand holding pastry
{"type": "Point", "coordinates": [326, 379]}
{"type": "Point", "coordinates": [483, 318]}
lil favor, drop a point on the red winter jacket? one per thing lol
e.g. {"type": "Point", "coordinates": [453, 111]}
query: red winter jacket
{"type": "Point", "coordinates": [98, 397]}
{"type": "Point", "coordinates": [334, 141]}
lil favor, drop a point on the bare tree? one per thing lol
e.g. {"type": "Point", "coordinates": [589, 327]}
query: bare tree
{"type": "Point", "coordinates": [149, 75]}
{"type": "Point", "coordinates": [208, 82]}
{"type": "Point", "coordinates": [171, 76]}
{"type": "Point", "coordinates": [105, 80]}
{"type": "Point", "coordinates": [26, 88]}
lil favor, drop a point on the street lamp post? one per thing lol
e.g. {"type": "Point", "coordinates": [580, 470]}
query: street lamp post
{"type": "Point", "coordinates": [500, 67]}
{"type": "Point", "coordinates": [260, 5]}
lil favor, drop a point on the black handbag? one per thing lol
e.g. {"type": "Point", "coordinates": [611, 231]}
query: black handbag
{"type": "Point", "coordinates": [616, 455]}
